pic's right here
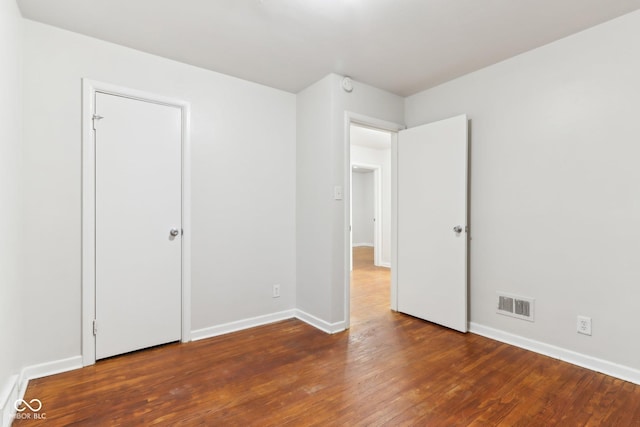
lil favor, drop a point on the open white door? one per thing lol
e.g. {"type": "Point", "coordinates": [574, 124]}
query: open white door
{"type": "Point", "coordinates": [432, 222]}
{"type": "Point", "coordinates": [138, 221]}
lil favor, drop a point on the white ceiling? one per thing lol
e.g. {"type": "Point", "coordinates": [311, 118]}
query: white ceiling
{"type": "Point", "coordinates": [403, 46]}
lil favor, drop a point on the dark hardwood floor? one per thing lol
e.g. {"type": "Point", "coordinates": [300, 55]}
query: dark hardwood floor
{"type": "Point", "coordinates": [388, 369]}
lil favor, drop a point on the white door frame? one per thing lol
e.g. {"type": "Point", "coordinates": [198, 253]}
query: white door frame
{"type": "Point", "coordinates": [377, 209]}
{"type": "Point", "coordinates": [89, 90]}
{"type": "Point", "coordinates": [363, 120]}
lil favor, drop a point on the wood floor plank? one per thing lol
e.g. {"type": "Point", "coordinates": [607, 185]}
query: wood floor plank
{"type": "Point", "coordinates": [389, 369]}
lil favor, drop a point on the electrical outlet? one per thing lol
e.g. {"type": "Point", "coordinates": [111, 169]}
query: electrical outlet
{"type": "Point", "coordinates": [276, 291]}
{"type": "Point", "coordinates": [584, 325]}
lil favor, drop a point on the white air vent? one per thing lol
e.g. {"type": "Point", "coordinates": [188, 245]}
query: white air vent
{"type": "Point", "coordinates": [516, 306]}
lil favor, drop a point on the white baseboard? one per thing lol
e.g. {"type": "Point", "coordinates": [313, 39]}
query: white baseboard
{"type": "Point", "coordinates": [330, 328]}
{"type": "Point", "coordinates": [239, 325]}
{"type": "Point", "coordinates": [214, 331]}
{"type": "Point", "coordinates": [385, 264]}
{"type": "Point", "coordinates": [51, 368]}
{"type": "Point", "coordinates": [359, 245]}
{"type": "Point", "coordinates": [599, 365]}
{"type": "Point", "coordinates": [9, 394]}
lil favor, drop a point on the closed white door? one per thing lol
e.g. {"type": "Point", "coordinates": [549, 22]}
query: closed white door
{"type": "Point", "coordinates": [138, 185]}
{"type": "Point", "coordinates": [432, 220]}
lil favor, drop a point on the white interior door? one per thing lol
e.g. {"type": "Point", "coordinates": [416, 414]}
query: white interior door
{"type": "Point", "coordinates": [432, 204]}
{"type": "Point", "coordinates": [138, 204]}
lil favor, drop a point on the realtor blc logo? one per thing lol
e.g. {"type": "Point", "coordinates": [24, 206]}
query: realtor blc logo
{"type": "Point", "coordinates": [34, 405]}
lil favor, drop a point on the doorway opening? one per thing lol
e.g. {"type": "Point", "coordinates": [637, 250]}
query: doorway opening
{"type": "Point", "coordinates": [366, 209]}
{"type": "Point", "coordinates": [429, 252]}
{"type": "Point", "coordinates": [370, 152]}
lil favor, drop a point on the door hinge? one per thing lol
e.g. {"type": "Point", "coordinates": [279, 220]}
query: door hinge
{"type": "Point", "coordinates": [95, 327]}
{"type": "Point", "coordinates": [95, 118]}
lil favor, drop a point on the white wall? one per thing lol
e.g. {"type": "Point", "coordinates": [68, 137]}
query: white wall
{"type": "Point", "coordinates": [382, 158]}
{"type": "Point", "coordinates": [314, 197]}
{"type": "Point", "coordinates": [243, 184]}
{"type": "Point", "coordinates": [555, 204]}
{"type": "Point", "coordinates": [322, 163]}
{"type": "Point", "coordinates": [363, 208]}
{"type": "Point", "coordinates": [11, 338]}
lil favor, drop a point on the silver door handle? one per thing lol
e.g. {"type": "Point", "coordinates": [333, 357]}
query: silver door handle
{"type": "Point", "coordinates": [457, 229]}
{"type": "Point", "coordinates": [174, 232]}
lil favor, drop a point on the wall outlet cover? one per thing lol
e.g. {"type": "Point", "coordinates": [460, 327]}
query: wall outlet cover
{"type": "Point", "coordinates": [584, 325]}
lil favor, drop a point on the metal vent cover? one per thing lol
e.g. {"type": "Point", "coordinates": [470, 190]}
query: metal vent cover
{"type": "Point", "coordinates": [505, 303]}
{"type": "Point", "coordinates": [523, 308]}
{"type": "Point", "coordinates": [516, 306]}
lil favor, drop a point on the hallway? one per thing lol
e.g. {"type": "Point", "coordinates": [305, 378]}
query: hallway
{"type": "Point", "coordinates": [370, 288]}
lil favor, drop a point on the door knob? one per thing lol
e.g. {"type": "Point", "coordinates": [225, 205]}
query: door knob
{"type": "Point", "coordinates": [457, 229]}
{"type": "Point", "coordinates": [174, 232]}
